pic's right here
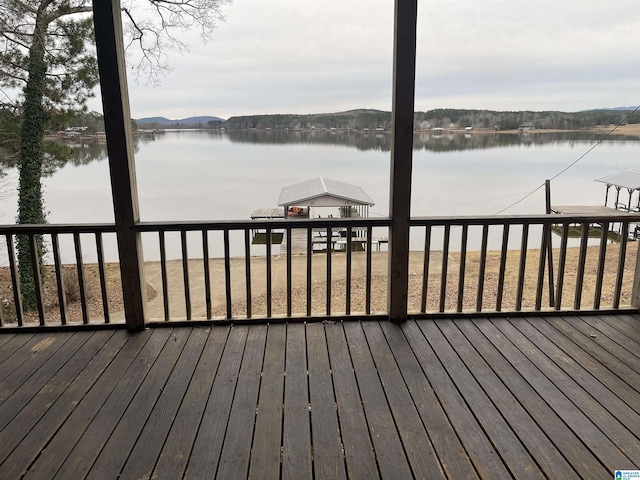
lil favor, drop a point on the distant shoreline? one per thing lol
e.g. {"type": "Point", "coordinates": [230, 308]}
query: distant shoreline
{"type": "Point", "coordinates": [632, 130]}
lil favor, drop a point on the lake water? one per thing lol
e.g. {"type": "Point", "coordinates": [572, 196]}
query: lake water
{"type": "Point", "coordinates": [195, 175]}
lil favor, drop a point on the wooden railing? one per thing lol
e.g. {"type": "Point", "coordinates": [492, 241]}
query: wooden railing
{"type": "Point", "coordinates": [215, 271]}
{"type": "Point", "coordinates": [228, 247]}
{"type": "Point", "coordinates": [588, 254]}
{"type": "Point", "coordinates": [60, 275]}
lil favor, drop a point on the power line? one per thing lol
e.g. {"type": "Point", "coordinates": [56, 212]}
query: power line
{"type": "Point", "coordinates": [624, 120]}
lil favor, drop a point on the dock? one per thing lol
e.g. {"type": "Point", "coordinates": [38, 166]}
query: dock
{"type": "Point", "coordinates": [319, 240]}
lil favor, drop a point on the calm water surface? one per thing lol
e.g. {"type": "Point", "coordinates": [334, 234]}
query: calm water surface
{"type": "Point", "coordinates": [193, 175]}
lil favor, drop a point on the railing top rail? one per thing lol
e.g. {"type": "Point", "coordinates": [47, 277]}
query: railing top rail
{"type": "Point", "coordinates": [58, 228]}
{"type": "Point", "coordinates": [253, 224]}
{"type": "Point", "coordinates": [540, 219]}
{"type": "Point", "coordinates": [321, 223]}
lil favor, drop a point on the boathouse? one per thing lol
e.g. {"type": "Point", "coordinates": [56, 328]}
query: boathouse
{"type": "Point", "coordinates": [298, 199]}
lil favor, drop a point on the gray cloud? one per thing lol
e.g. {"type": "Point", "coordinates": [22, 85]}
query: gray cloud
{"type": "Point", "coordinates": [293, 56]}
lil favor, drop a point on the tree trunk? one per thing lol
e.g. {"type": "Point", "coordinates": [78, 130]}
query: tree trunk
{"type": "Point", "coordinates": [30, 202]}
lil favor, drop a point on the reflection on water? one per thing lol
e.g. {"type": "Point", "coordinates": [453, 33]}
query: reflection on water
{"type": "Point", "coordinates": [422, 141]}
{"type": "Point", "coordinates": [85, 153]}
{"type": "Point", "coordinates": [206, 175]}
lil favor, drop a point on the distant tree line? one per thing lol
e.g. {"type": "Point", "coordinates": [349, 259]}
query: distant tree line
{"type": "Point", "coordinates": [439, 118]}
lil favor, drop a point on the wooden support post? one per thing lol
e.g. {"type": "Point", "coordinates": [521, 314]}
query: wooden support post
{"type": "Point", "coordinates": [635, 292]}
{"type": "Point", "coordinates": [117, 118]}
{"type": "Point", "coordinates": [404, 73]}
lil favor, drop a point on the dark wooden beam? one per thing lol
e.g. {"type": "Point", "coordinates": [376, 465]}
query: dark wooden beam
{"type": "Point", "coordinates": [404, 74]}
{"type": "Point", "coordinates": [117, 118]}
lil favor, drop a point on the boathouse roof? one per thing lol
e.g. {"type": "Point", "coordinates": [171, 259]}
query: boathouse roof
{"type": "Point", "coordinates": [629, 180]}
{"type": "Point", "coordinates": [323, 192]}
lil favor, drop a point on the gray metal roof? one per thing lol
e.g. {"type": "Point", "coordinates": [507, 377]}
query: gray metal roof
{"type": "Point", "coordinates": [305, 192]}
{"type": "Point", "coordinates": [630, 180]}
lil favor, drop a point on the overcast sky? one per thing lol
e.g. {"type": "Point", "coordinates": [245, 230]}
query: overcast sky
{"type": "Point", "coordinates": [300, 56]}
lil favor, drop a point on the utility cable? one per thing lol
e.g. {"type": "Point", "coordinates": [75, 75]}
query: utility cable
{"type": "Point", "coordinates": [624, 120]}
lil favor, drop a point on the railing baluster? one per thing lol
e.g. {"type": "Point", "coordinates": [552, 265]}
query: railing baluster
{"type": "Point", "coordinates": [57, 264]}
{"type": "Point", "coordinates": [309, 278]}
{"type": "Point", "coordinates": [163, 272]}
{"type": "Point", "coordinates": [622, 256]}
{"type": "Point", "coordinates": [103, 277]}
{"type": "Point", "coordinates": [81, 282]}
{"type": "Point", "coordinates": [247, 266]}
{"type": "Point", "coordinates": [503, 264]}
{"type": "Point", "coordinates": [206, 272]}
{"type": "Point", "coordinates": [541, 265]}
{"type": "Point", "coordinates": [289, 238]}
{"type": "Point", "coordinates": [348, 274]}
{"type": "Point", "coordinates": [425, 268]}
{"type": "Point", "coordinates": [523, 265]}
{"type": "Point", "coordinates": [483, 265]}
{"type": "Point", "coordinates": [463, 264]}
{"type": "Point", "coordinates": [37, 277]}
{"type": "Point", "coordinates": [604, 237]}
{"type": "Point", "coordinates": [329, 248]}
{"type": "Point", "coordinates": [17, 296]}
{"type": "Point", "coordinates": [227, 268]}
{"type": "Point", "coordinates": [269, 271]}
{"type": "Point", "coordinates": [581, 264]}
{"type": "Point", "coordinates": [367, 291]}
{"type": "Point", "coordinates": [562, 260]}
{"type": "Point", "coordinates": [185, 272]}
{"type": "Point", "coordinates": [445, 264]}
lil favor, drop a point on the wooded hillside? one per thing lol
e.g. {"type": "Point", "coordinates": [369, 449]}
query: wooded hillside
{"type": "Point", "coordinates": [444, 118]}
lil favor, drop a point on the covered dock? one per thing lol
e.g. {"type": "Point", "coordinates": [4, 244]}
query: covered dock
{"type": "Point", "coordinates": [351, 200]}
{"type": "Point", "coordinates": [627, 180]}
{"type": "Point", "coordinates": [630, 181]}
{"type": "Point", "coordinates": [310, 198]}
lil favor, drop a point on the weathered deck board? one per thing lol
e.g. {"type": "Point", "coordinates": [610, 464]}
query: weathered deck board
{"type": "Point", "coordinates": [533, 438]}
{"type": "Point", "coordinates": [236, 450]}
{"type": "Point", "coordinates": [558, 433]}
{"type": "Point", "coordinates": [481, 398]}
{"type": "Point", "coordinates": [296, 434]}
{"type": "Point", "coordinates": [328, 460]}
{"type": "Point", "coordinates": [605, 410]}
{"type": "Point", "coordinates": [12, 397]}
{"type": "Point", "coordinates": [125, 434]}
{"type": "Point", "coordinates": [358, 451]}
{"type": "Point", "coordinates": [531, 363]}
{"type": "Point", "coordinates": [386, 440]}
{"type": "Point", "coordinates": [415, 440]}
{"type": "Point", "coordinates": [509, 446]}
{"type": "Point", "coordinates": [36, 432]}
{"type": "Point", "coordinates": [265, 458]}
{"type": "Point", "coordinates": [483, 455]}
{"type": "Point", "coordinates": [176, 451]}
{"type": "Point", "coordinates": [601, 358]}
{"type": "Point", "coordinates": [451, 454]}
{"type": "Point", "coordinates": [146, 450]}
{"type": "Point", "coordinates": [211, 432]}
{"type": "Point", "coordinates": [13, 343]}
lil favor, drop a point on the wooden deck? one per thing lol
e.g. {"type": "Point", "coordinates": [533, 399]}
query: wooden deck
{"type": "Point", "coordinates": [500, 398]}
